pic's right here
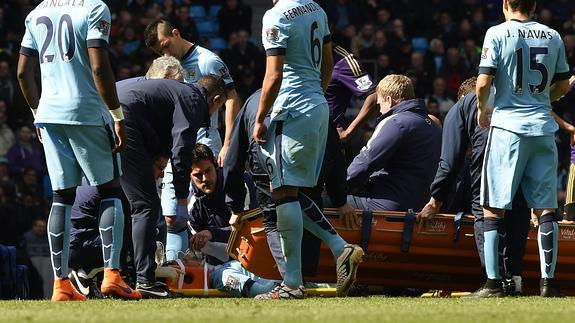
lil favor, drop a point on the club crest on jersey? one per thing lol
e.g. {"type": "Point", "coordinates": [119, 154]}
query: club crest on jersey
{"type": "Point", "coordinates": [272, 34]}
{"type": "Point", "coordinates": [484, 53]}
{"type": "Point", "coordinates": [191, 74]}
{"type": "Point", "coordinates": [103, 27]}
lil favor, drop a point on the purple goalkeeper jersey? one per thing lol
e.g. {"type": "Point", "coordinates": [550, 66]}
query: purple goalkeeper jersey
{"type": "Point", "coordinates": [347, 79]}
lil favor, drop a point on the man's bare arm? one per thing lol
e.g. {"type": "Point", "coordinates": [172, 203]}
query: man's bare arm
{"type": "Point", "coordinates": [558, 89]}
{"type": "Point", "coordinates": [271, 85]}
{"type": "Point", "coordinates": [326, 65]}
{"type": "Point", "coordinates": [482, 92]}
{"type": "Point", "coordinates": [106, 86]}
{"type": "Point", "coordinates": [270, 89]}
{"type": "Point", "coordinates": [103, 76]}
{"type": "Point", "coordinates": [562, 123]}
{"type": "Point", "coordinates": [233, 106]}
{"type": "Point", "coordinates": [367, 110]}
{"type": "Point", "coordinates": [26, 67]}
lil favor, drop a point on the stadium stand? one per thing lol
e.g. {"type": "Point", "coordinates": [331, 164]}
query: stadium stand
{"type": "Point", "coordinates": [381, 33]}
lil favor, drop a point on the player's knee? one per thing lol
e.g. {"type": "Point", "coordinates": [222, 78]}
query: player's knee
{"type": "Point", "coordinates": [146, 207]}
{"type": "Point", "coordinates": [547, 217]}
{"type": "Point", "coordinates": [66, 196]}
{"type": "Point", "coordinates": [115, 183]}
{"type": "Point", "coordinates": [284, 194]}
{"type": "Point", "coordinates": [286, 199]}
{"type": "Point", "coordinates": [110, 192]}
{"type": "Point", "coordinates": [270, 221]}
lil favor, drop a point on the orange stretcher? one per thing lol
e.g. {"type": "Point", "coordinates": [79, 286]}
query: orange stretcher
{"type": "Point", "coordinates": [442, 255]}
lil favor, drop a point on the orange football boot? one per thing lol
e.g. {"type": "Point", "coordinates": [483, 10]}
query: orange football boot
{"type": "Point", "coordinates": [65, 291]}
{"type": "Point", "coordinates": [114, 286]}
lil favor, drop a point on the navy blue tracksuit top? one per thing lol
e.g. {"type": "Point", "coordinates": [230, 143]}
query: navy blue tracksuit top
{"type": "Point", "coordinates": [167, 114]}
{"type": "Point", "coordinates": [396, 167]}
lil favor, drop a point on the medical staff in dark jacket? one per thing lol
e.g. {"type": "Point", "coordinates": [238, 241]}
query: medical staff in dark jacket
{"type": "Point", "coordinates": [394, 170]}
{"type": "Point", "coordinates": [162, 119]}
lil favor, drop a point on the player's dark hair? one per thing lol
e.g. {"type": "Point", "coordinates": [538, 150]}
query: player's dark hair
{"type": "Point", "coordinates": [467, 87]}
{"type": "Point", "coordinates": [202, 152]}
{"type": "Point", "coordinates": [214, 85]}
{"type": "Point", "coordinates": [523, 6]}
{"type": "Point", "coordinates": [151, 33]}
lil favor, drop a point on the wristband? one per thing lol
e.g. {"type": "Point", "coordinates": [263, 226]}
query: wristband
{"type": "Point", "coordinates": [117, 114]}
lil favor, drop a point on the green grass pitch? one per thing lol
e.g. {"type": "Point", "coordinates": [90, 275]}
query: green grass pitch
{"type": "Point", "coordinates": [361, 310]}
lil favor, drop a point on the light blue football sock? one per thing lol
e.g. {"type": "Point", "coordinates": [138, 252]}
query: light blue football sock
{"type": "Point", "coordinates": [491, 249]}
{"type": "Point", "coordinates": [491, 228]}
{"type": "Point", "coordinates": [290, 228]}
{"type": "Point", "coordinates": [176, 244]}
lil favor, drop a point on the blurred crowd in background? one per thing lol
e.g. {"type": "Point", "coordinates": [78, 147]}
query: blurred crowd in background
{"type": "Point", "coordinates": [437, 43]}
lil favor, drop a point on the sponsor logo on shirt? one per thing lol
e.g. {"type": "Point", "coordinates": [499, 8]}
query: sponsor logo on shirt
{"type": "Point", "coordinates": [363, 83]}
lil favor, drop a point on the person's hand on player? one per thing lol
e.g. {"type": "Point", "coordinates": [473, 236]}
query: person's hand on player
{"type": "Point", "coordinates": [199, 240]}
{"type": "Point", "coordinates": [120, 130]}
{"type": "Point", "coordinates": [348, 217]}
{"type": "Point", "coordinates": [260, 132]}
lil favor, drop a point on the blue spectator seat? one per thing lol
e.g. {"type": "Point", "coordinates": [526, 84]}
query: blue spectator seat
{"type": "Point", "coordinates": [218, 43]}
{"type": "Point", "coordinates": [214, 9]}
{"type": "Point", "coordinates": [197, 12]}
{"type": "Point", "coordinates": [419, 44]}
{"type": "Point", "coordinates": [207, 27]}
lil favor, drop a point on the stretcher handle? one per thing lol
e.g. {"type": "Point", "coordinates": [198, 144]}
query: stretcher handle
{"type": "Point", "coordinates": [367, 218]}
{"type": "Point", "coordinates": [409, 219]}
{"type": "Point", "coordinates": [457, 224]}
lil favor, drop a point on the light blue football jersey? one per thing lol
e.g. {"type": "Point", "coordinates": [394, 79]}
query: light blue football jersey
{"type": "Point", "coordinates": [297, 29]}
{"type": "Point", "coordinates": [197, 62]}
{"type": "Point", "coordinates": [525, 57]}
{"type": "Point", "coordinates": [59, 33]}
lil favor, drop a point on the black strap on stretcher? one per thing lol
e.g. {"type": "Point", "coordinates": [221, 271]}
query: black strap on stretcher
{"type": "Point", "coordinates": [409, 223]}
{"type": "Point", "coordinates": [457, 224]}
{"type": "Point", "coordinates": [367, 218]}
